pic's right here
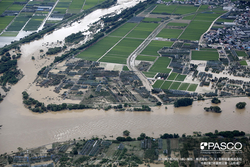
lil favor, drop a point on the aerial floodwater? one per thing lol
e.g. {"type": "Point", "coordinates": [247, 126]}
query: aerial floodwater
{"type": "Point", "coordinates": [23, 128]}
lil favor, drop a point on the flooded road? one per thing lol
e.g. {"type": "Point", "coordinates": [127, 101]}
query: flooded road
{"type": "Point", "coordinates": [22, 128]}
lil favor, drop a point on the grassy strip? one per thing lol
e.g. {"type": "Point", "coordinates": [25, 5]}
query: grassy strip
{"type": "Point", "coordinates": [146, 58]}
{"type": "Point", "coordinates": [169, 33]}
{"type": "Point", "coordinates": [154, 46]}
{"type": "Point", "coordinates": [204, 55]}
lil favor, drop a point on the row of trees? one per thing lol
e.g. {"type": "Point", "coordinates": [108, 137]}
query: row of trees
{"type": "Point", "coordinates": [40, 107]}
{"type": "Point", "coordinates": [228, 134]}
{"type": "Point", "coordinates": [143, 108]}
{"type": "Point", "coordinates": [183, 102]}
{"type": "Point", "coordinates": [213, 109]}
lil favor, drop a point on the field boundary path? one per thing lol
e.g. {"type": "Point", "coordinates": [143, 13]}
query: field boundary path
{"type": "Point", "coordinates": [209, 29]}
{"type": "Point", "coordinates": [44, 20]}
{"type": "Point", "coordinates": [116, 43]}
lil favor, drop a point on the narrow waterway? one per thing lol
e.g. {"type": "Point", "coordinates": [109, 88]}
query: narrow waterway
{"type": "Point", "coordinates": [22, 128]}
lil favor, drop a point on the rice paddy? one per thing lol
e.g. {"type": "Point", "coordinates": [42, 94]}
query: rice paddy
{"type": "Point", "coordinates": [205, 55]}
{"type": "Point", "coordinates": [170, 33]}
{"type": "Point", "coordinates": [146, 58]}
{"type": "Point", "coordinates": [192, 87]}
{"type": "Point", "coordinates": [161, 65]}
{"type": "Point", "coordinates": [155, 46]}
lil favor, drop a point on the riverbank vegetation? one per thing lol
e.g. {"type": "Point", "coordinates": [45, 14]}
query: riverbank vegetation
{"type": "Point", "coordinates": [215, 100]}
{"type": "Point", "coordinates": [183, 102]}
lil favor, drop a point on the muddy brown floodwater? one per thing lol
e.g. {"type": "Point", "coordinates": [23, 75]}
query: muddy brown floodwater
{"type": "Point", "coordinates": [22, 128]}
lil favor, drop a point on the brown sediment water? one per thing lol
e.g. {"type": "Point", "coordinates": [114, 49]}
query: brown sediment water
{"type": "Point", "coordinates": [22, 128]}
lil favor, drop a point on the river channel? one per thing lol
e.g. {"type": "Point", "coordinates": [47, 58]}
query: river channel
{"type": "Point", "coordinates": [22, 128]}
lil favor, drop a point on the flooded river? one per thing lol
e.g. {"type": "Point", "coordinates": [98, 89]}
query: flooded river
{"type": "Point", "coordinates": [22, 128]}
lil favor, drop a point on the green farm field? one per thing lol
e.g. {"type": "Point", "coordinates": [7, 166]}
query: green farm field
{"type": "Point", "coordinates": [166, 85]}
{"type": "Point", "coordinates": [143, 30]}
{"type": "Point", "coordinates": [75, 6]}
{"type": "Point", "coordinates": [5, 4]}
{"type": "Point", "coordinates": [180, 77]}
{"type": "Point", "coordinates": [206, 17]}
{"type": "Point", "coordinates": [16, 7]}
{"type": "Point", "coordinates": [194, 30]}
{"type": "Point", "coordinates": [91, 3]}
{"type": "Point", "coordinates": [158, 84]}
{"type": "Point", "coordinates": [4, 21]}
{"type": "Point", "coordinates": [149, 74]}
{"type": "Point", "coordinates": [154, 46]}
{"type": "Point", "coordinates": [190, 17]}
{"type": "Point", "coordinates": [125, 68]}
{"type": "Point", "coordinates": [148, 19]}
{"type": "Point", "coordinates": [9, 34]}
{"type": "Point", "coordinates": [114, 58]}
{"type": "Point", "coordinates": [34, 23]}
{"type": "Point", "coordinates": [241, 53]}
{"type": "Point", "coordinates": [97, 50]}
{"type": "Point", "coordinates": [146, 58]}
{"type": "Point", "coordinates": [177, 24]}
{"type": "Point", "coordinates": [203, 7]}
{"type": "Point", "coordinates": [62, 7]}
{"type": "Point", "coordinates": [204, 55]}
{"type": "Point", "coordinates": [184, 9]}
{"type": "Point", "coordinates": [192, 87]}
{"type": "Point", "coordinates": [163, 9]}
{"type": "Point", "coordinates": [225, 20]}
{"type": "Point", "coordinates": [169, 33]}
{"type": "Point", "coordinates": [123, 30]}
{"type": "Point", "coordinates": [172, 76]}
{"type": "Point", "coordinates": [18, 23]}
{"type": "Point", "coordinates": [161, 65]}
{"type": "Point", "coordinates": [121, 51]}
{"type": "Point", "coordinates": [184, 86]}
{"type": "Point", "coordinates": [175, 85]}
{"type": "Point", "coordinates": [243, 62]}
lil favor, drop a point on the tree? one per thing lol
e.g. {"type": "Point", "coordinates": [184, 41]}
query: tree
{"type": "Point", "coordinates": [241, 105]}
{"type": "Point", "coordinates": [215, 100]}
{"type": "Point", "coordinates": [126, 133]}
{"type": "Point", "coordinates": [183, 102]}
{"type": "Point", "coordinates": [33, 58]}
{"type": "Point", "coordinates": [158, 103]}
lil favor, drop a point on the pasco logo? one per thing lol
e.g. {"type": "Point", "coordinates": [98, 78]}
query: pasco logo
{"type": "Point", "coordinates": [220, 146]}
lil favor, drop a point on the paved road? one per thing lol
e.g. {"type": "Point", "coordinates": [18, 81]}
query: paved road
{"type": "Point", "coordinates": [139, 49]}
